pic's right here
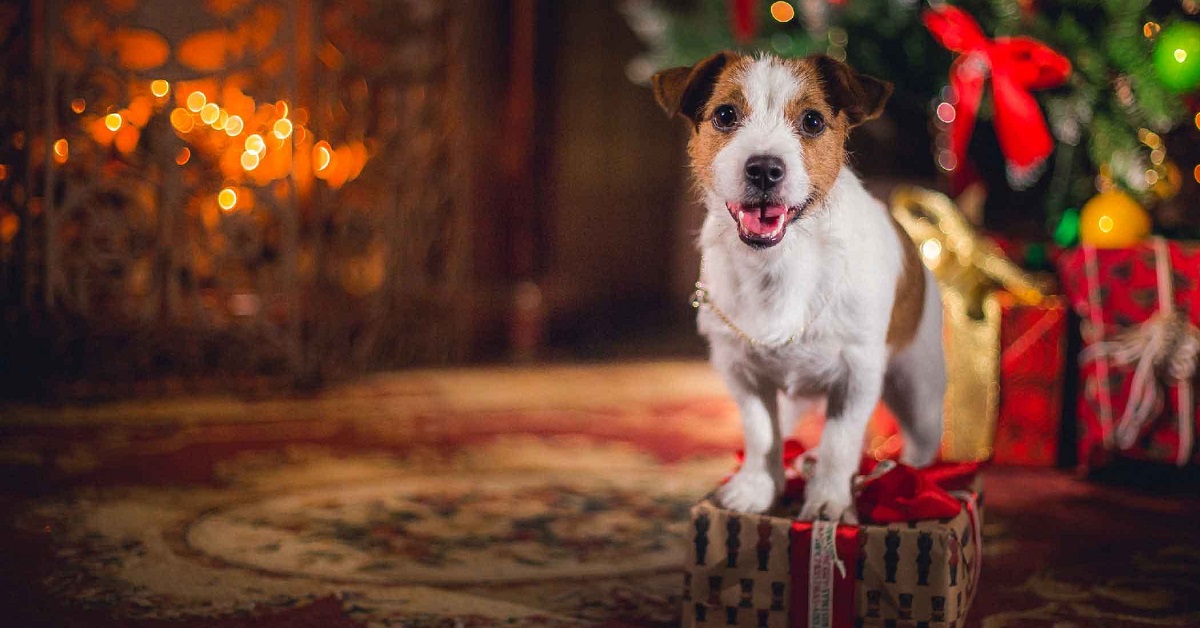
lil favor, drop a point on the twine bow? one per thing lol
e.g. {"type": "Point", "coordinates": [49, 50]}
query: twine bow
{"type": "Point", "coordinates": [1165, 346]}
{"type": "Point", "coordinates": [1017, 66]}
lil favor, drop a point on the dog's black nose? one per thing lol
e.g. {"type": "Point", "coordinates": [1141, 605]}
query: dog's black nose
{"type": "Point", "coordinates": [764, 172]}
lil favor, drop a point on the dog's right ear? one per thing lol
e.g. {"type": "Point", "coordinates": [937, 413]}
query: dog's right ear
{"type": "Point", "coordinates": [684, 91]}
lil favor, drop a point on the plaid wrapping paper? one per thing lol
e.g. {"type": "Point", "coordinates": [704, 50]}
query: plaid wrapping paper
{"type": "Point", "coordinates": [1122, 295]}
{"type": "Point", "coordinates": [1032, 362]}
{"type": "Point", "coordinates": [739, 573]}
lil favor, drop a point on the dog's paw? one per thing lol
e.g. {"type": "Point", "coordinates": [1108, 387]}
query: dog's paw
{"type": "Point", "coordinates": [750, 492]}
{"type": "Point", "coordinates": [829, 506]}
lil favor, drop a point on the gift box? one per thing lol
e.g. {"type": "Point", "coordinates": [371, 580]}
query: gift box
{"type": "Point", "coordinates": [1004, 338]}
{"type": "Point", "coordinates": [914, 561]}
{"type": "Point", "coordinates": [1032, 364]}
{"type": "Point", "coordinates": [1138, 309]}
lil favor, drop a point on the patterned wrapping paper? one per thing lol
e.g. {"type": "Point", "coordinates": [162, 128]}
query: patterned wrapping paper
{"type": "Point", "coordinates": [1032, 363]}
{"type": "Point", "coordinates": [1126, 290]}
{"type": "Point", "coordinates": [739, 570]}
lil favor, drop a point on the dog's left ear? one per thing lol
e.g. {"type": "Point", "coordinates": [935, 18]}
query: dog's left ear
{"type": "Point", "coordinates": [860, 96]}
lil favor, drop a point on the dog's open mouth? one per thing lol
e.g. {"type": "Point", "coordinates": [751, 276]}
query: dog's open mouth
{"type": "Point", "coordinates": [762, 225]}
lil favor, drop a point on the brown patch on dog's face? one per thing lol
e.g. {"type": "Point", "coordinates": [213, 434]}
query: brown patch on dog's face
{"type": "Point", "coordinates": [707, 140]}
{"type": "Point", "coordinates": [823, 153]}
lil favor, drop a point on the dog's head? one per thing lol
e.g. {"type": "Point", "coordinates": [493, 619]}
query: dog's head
{"type": "Point", "coordinates": [768, 134]}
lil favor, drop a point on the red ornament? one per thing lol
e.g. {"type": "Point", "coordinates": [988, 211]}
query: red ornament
{"type": "Point", "coordinates": [1017, 65]}
{"type": "Point", "coordinates": [743, 20]}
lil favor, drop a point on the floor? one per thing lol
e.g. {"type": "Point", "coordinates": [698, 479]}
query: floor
{"type": "Point", "coordinates": [540, 496]}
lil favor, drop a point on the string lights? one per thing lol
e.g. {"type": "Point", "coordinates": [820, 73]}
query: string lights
{"type": "Point", "coordinates": [249, 140]}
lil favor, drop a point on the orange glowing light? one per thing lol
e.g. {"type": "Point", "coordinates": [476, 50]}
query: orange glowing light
{"type": "Point", "coordinates": [782, 11]}
{"type": "Point", "coordinates": [250, 160]}
{"type": "Point", "coordinates": [112, 121]}
{"type": "Point", "coordinates": [282, 108]}
{"type": "Point", "coordinates": [322, 155]}
{"type": "Point", "coordinates": [159, 87]}
{"type": "Point", "coordinates": [3, 172]}
{"type": "Point", "coordinates": [255, 144]}
{"type": "Point", "coordinates": [196, 101]}
{"type": "Point", "coordinates": [182, 120]}
{"type": "Point", "coordinates": [209, 113]}
{"type": "Point", "coordinates": [183, 156]}
{"type": "Point", "coordinates": [78, 105]}
{"type": "Point", "coordinates": [1197, 120]}
{"type": "Point", "coordinates": [233, 126]}
{"type": "Point", "coordinates": [127, 138]}
{"type": "Point", "coordinates": [227, 199]}
{"type": "Point", "coordinates": [1196, 173]}
{"type": "Point", "coordinates": [61, 150]}
{"type": "Point", "coordinates": [222, 120]}
{"type": "Point", "coordinates": [283, 128]}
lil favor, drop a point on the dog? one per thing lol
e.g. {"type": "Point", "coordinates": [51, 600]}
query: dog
{"type": "Point", "coordinates": [810, 292]}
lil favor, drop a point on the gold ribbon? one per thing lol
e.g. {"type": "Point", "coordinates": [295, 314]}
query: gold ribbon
{"type": "Point", "coordinates": [969, 269]}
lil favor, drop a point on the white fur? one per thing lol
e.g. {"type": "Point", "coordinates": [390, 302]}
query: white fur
{"type": "Point", "coordinates": [834, 277]}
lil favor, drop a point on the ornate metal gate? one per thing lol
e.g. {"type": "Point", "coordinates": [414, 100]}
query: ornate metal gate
{"type": "Point", "coordinates": [232, 186]}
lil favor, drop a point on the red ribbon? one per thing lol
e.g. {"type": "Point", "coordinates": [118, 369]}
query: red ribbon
{"type": "Point", "coordinates": [743, 20]}
{"type": "Point", "coordinates": [844, 607]}
{"type": "Point", "coordinates": [1017, 66]}
{"type": "Point", "coordinates": [902, 494]}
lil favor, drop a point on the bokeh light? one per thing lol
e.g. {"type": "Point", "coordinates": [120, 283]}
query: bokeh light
{"type": "Point", "coordinates": [227, 199]}
{"type": "Point", "coordinates": [61, 150]}
{"type": "Point", "coordinates": [782, 11]}
{"type": "Point", "coordinates": [196, 101]}
{"type": "Point", "coordinates": [283, 128]}
{"type": "Point", "coordinates": [209, 113]}
{"type": "Point", "coordinates": [234, 126]}
{"type": "Point", "coordinates": [255, 144]}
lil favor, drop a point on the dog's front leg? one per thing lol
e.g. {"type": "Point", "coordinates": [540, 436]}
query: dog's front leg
{"type": "Point", "coordinates": [755, 486]}
{"type": "Point", "coordinates": [827, 494]}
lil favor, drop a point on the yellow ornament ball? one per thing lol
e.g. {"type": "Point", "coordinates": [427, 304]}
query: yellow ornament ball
{"type": "Point", "coordinates": [1113, 220]}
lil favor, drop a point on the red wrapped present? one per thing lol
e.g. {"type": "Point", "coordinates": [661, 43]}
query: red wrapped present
{"type": "Point", "coordinates": [915, 560]}
{"type": "Point", "coordinates": [1032, 348]}
{"type": "Point", "coordinates": [1139, 308]}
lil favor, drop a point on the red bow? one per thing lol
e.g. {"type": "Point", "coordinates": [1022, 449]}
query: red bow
{"type": "Point", "coordinates": [901, 494]}
{"type": "Point", "coordinates": [1017, 66]}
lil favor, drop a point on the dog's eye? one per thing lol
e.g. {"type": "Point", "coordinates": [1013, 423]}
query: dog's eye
{"type": "Point", "coordinates": [724, 117]}
{"type": "Point", "coordinates": [812, 123]}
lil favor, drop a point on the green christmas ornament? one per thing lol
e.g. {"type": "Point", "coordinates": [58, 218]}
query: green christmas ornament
{"type": "Point", "coordinates": [1067, 232]}
{"type": "Point", "coordinates": [1177, 57]}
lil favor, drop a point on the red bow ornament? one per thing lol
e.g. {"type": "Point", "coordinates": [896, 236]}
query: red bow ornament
{"type": "Point", "coordinates": [1017, 66]}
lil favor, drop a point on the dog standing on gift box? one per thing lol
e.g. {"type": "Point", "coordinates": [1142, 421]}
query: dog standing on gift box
{"type": "Point", "coordinates": [809, 290]}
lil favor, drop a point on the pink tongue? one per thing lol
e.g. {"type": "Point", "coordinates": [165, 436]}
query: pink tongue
{"type": "Point", "coordinates": [762, 222]}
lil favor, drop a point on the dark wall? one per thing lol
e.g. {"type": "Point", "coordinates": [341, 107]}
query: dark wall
{"type": "Point", "coordinates": [591, 216]}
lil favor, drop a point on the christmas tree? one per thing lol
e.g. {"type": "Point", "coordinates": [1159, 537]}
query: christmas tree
{"type": "Point", "coordinates": [1122, 116]}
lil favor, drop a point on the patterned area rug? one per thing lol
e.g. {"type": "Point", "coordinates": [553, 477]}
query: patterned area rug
{"type": "Point", "coordinates": [534, 497]}
{"type": "Point", "coordinates": [524, 530]}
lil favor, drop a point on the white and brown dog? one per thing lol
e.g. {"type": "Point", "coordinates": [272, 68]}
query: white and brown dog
{"type": "Point", "coordinates": [811, 291]}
